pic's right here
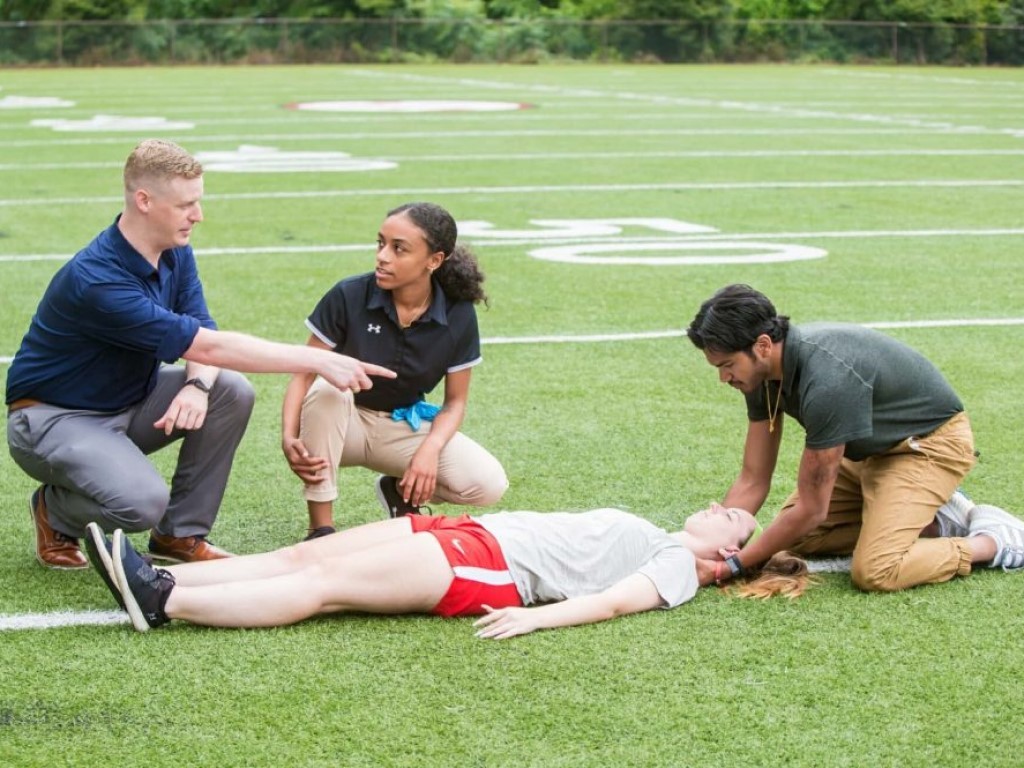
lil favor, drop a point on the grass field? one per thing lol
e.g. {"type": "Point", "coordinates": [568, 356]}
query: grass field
{"type": "Point", "coordinates": [881, 196]}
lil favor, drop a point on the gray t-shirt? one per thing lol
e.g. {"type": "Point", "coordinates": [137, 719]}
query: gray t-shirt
{"type": "Point", "coordinates": [553, 556]}
{"type": "Point", "coordinates": [850, 384]}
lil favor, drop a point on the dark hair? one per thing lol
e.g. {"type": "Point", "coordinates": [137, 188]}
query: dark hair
{"type": "Point", "coordinates": [459, 275]}
{"type": "Point", "coordinates": [732, 319]}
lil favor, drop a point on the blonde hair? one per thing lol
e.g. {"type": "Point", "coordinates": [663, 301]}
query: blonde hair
{"type": "Point", "coordinates": [784, 574]}
{"type": "Point", "coordinates": [158, 160]}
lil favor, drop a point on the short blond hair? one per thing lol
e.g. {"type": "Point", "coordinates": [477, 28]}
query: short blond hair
{"type": "Point", "coordinates": [158, 160]}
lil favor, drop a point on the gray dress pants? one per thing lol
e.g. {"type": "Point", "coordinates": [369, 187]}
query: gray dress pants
{"type": "Point", "coordinates": [94, 467]}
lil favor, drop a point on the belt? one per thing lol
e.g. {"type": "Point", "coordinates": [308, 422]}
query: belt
{"type": "Point", "coordinates": [25, 402]}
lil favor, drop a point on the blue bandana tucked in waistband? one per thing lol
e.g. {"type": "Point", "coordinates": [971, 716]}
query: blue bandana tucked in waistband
{"type": "Point", "coordinates": [416, 414]}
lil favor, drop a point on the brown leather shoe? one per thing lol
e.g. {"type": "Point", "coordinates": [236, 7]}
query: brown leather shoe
{"type": "Point", "coordinates": [53, 548]}
{"type": "Point", "coordinates": [187, 549]}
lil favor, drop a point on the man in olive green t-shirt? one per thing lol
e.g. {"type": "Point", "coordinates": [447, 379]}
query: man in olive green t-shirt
{"type": "Point", "coordinates": [887, 443]}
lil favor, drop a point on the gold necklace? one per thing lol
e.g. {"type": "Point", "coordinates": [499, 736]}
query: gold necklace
{"type": "Point", "coordinates": [772, 413]}
{"type": "Point", "coordinates": [415, 314]}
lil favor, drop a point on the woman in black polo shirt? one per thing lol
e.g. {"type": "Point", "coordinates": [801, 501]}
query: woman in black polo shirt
{"type": "Point", "coordinates": [414, 314]}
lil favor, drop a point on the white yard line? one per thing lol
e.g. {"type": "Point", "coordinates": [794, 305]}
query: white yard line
{"type": "Point", "coordinates": [482, 241]}
{"type": "Point", "coordinates": [59, 619]}
{"type": "Point", "coordinates": [435, 192]}
{"type": "Point", "coordinates": [547, 156]}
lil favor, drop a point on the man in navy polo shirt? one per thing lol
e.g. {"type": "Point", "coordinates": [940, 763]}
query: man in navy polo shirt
{"type": "Point", "coordinates": [88, 397]}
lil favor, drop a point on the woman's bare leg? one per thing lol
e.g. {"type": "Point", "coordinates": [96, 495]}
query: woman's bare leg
{"type": "Point", "coordinates": [409, 574]}
{"type": "Point", "coordinates": [290, 559]}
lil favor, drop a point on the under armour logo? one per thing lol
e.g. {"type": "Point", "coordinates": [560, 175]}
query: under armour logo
{"type": "Point", "coordinates": [371, 328]}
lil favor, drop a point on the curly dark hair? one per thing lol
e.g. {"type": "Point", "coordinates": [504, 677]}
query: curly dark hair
{"type": "Point", "coordinates": [459, 275]}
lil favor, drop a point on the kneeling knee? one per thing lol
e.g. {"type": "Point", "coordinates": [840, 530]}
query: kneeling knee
{"type": "Point", "coordinates": [322, 395]}
{"type": "Point", "coordinates": [236, 390]}
{"type": "Point", "coordinates": [485, 490]}
{"type": "Point", "coordinates": [141, 510]}
{"type": "Point", "coordinates": [492, 491]}
{"type": "Point", "coordinates": [873, 580]}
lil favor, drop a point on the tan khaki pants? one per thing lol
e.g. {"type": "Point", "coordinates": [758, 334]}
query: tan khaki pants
{"type": "Point", "coordinates": [880, 505]}
{"type": "Point", "coordinates": [347, 436]}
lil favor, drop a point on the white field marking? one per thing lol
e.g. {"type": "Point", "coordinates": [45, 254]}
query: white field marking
{"type": "Point", "coordinates": [108, 123]}
{"type": "Point", "coordinates": [577, 229]}
{"type": "Point", "coordinates": [552, 116]}
{"type": "Point", "coordinates": [311, 158]}
{"type": "Point", "coordinates": [531, 132]}
{"type": "Point", "coordinates": [480, 240]}
{"type": "Point", "coordinates": [698, 253]}
{"type": "Point", "coordinates": [968, 81]}
{"type": "Point", "coordinates": [596, 338]}
{"type": "Point", "coordinates": [685, 101]}
{"type": "Point", "coordinates": [409, 105]}
{"type": "Point", "coordinates": [647, 335]}
{"type": "Point", "coordinates": [566, 115]}
{"type": "Point", "coordinates": [59, 619]}
{"type": "Point", "coordinates": [34, 102]}
{"type": "Point", "coordinates": [250, 158]}
{"type": "Point", "coordinates": [552, 189]}
{"type": "Point", "coordinates": [830, 565]}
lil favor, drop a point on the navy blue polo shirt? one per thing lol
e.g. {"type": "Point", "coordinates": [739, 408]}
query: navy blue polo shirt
{"type": "Point", "coordinates": [106, 321]}
{"type": "Point", "coordinates": [358, 319]}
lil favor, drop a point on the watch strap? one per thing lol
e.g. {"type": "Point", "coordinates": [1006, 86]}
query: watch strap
{"type": "Point", "coordinates": [199, 384]}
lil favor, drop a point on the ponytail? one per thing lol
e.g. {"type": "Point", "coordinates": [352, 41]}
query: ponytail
{"type": "Point", "coordinates": [784, 574]}
{"type": "Point", "coordinates": [460, 276]}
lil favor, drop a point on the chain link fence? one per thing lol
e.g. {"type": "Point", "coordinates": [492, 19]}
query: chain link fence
{"type": "Point", "coordinates": [282, 41]}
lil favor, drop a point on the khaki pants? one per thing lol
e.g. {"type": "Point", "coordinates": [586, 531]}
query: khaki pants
{"type": "Point", "coordinates": [880, 505]}
{"type": "Point", "coordinates": [347, 436]}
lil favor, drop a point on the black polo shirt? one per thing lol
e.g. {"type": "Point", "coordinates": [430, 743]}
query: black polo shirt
{"type": "Point", "coordinates": [358, 319]}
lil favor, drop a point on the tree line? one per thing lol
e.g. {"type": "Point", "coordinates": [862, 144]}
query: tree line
{"type": "Point", "coordinates": [950, 12]}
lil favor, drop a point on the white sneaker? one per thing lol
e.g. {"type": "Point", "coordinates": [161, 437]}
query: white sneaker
{"type": "Point", "coordinates": [952, 516]}
{"type": "Point", "coordinates": [1008, 532]}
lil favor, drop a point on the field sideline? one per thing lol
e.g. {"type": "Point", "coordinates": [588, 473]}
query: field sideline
{"type": "Point", "coordinates": [605, 203]}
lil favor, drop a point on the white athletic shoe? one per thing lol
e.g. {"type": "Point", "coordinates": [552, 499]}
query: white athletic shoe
{"type": "Point", "coordinates": [952, 516]}
{"type": "Point", "coordinates": [1008, 532]}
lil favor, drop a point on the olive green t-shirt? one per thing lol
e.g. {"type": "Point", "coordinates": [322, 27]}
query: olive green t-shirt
{"type": "Point", "coordinates": [847, 384]}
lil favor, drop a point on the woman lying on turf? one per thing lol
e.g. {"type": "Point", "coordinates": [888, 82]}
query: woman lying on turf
{"type": "Point", "coordinates": [569, 568]}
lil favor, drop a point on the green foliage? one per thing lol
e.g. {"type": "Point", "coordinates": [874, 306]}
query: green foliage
{"type": "Point", "coordinates": [515, 31]}
{"type": "Point", "coordinates": [24, 10]}
{"type": "Point", "coordinates": [95, 10]}
{"type": "Point", "coordinates": [925, 11]}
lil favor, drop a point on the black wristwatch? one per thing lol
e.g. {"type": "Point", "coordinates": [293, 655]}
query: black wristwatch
{"type": "Point", "coordinates": [199, 384]}
{"type": "Point", "coordinates": [735, 566]}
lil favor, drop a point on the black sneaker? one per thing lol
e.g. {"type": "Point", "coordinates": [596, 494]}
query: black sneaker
{"type": "Point", "coordinates": [319, 533]}
{"type": "Point", "coordinates": [145, 589]}
{"type": "Point", "coordinates": [99, 548]}
{"type": "Point", "coordinates": [391, 498]}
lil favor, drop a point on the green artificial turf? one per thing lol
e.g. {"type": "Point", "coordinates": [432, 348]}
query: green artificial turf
{"type": "Point", "coordinates": [909, 179]}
